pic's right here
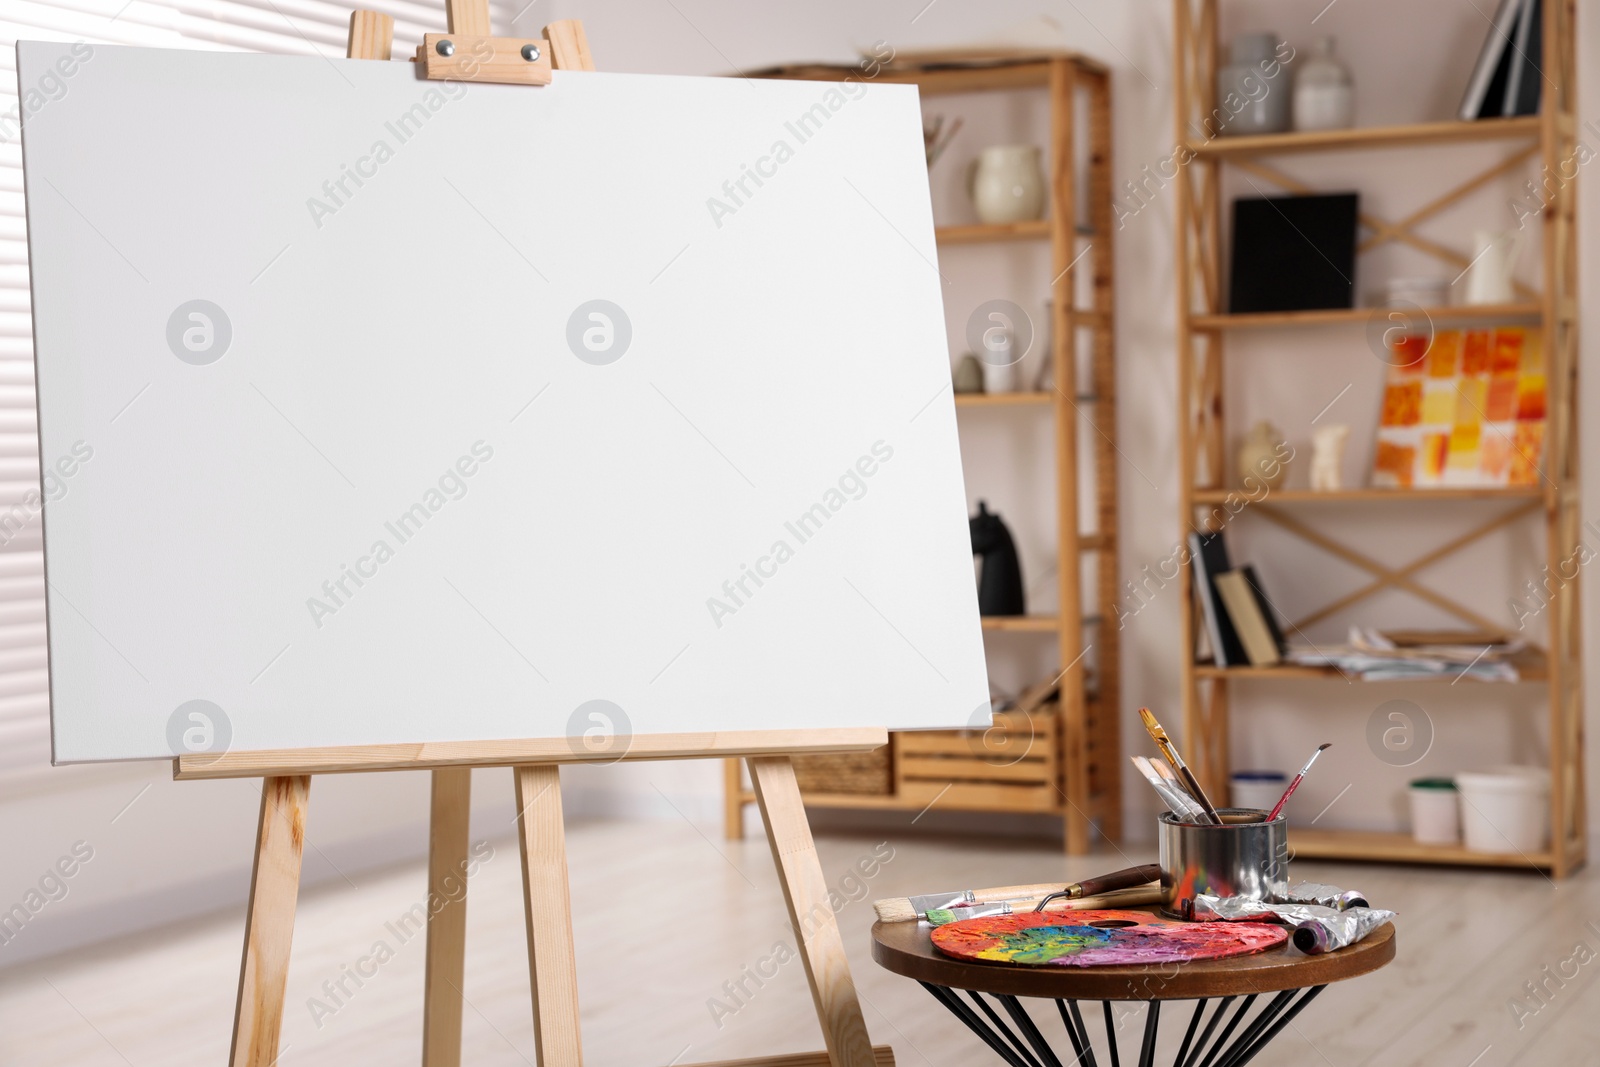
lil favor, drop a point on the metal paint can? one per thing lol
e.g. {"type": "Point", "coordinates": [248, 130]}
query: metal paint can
{"type": "Point", "coordinates": [1244, 857]}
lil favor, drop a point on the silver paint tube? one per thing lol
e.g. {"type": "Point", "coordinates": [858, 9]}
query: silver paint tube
{"type": "Point", "coordinates": [1318, 929]}
{"type": "Point", "coordinates": [1315, 935]}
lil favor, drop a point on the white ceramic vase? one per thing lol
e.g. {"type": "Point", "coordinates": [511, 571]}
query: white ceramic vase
{"type": "Point", "coordinates": [1323, 96]}
{"type": "Point", "coordinates": [1494, 258]}
{"type": "Point", "coordinates": [1007, 184]}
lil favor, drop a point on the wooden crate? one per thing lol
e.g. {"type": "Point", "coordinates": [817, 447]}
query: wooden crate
{"type": "Point", "coordinates": [1015, 765]}
{"type": "Point", "coordinates": [853, 773]}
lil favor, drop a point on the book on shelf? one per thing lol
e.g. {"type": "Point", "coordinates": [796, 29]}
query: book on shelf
{"type": "Point", "coordinates": [1208, 557]}
{"type": "Point", "coordinates": [1522, 89]}
{"type": "Point", "coordinates": [1252, 616]}
{"type": "Point", "coordinates": [1506, 79]}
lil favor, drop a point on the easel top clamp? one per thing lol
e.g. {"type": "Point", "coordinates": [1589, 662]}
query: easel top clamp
{"type": "Point", "coordinates": [468, 53]}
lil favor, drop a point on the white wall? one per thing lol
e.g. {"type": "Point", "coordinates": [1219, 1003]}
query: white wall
{"type": "Point", "coordinates": [183, 848]}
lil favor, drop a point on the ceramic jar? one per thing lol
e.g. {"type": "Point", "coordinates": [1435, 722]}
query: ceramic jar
{"type": "Point", "coordinates": [1323, 96]}
{"type": "Point", "coordinates": [1259, 460]}
{"type": "Point", "coordinates": [1253, 89]}
{"type": "Point", "coordinates": [1007, 184]}
{"type": "Point", "coordinates": [968, 377]}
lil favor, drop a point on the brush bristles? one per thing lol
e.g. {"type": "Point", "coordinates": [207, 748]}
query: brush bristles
{"type": "Point", "coordinates": [894, 910]}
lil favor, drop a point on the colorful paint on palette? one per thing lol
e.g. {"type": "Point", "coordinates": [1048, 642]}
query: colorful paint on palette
{"type": "Point", "coordinates": [1100, 938]}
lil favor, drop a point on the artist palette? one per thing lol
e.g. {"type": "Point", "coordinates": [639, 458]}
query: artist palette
{"type": "Point", "coordinates": [1100, 938]}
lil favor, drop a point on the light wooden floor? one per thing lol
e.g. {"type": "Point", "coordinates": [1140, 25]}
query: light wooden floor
{"type": "Point", "coordinates": [668, 913]}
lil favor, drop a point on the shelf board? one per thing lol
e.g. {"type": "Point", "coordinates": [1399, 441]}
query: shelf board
{"type": "Point", "coordinates": [986, 233]}
{"type": "Point", "coordinates": [1530, 664]}
{"type": "Point", "coordinates": [1351, 496]}
{"type": "Point", "coordinates": [980, 233]}
{"type": "Point", "coordinates": [993, 400]}
{"type": "Point", "coordinates": [1365, 845]}
{"type": "Point", "coordinates": [1526, 311]}
{"type": "Point", "coordinates": [1022, 623]}
{"type": "Point", "coordinates": [1407, 136]}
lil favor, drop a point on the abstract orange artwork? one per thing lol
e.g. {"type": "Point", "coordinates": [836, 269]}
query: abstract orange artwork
{"type": "Point", "coordinates": [1466, 410]}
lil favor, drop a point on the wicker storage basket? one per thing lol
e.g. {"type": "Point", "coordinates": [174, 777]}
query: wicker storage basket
{"type": "Point", "coordinates": [858, 773]}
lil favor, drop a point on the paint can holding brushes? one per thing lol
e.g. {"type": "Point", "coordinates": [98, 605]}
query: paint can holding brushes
{"type": "Point", "coordinates": [1243, 857]}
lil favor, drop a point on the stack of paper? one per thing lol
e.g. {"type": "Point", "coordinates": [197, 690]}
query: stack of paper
{"type": "Point", "coordinates": [1372, 657]}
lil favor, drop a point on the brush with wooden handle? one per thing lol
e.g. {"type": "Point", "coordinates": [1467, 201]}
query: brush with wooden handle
{"type": "Point", "coordinates": [907, 909]}
{"type": "Point", "coordinates": [1158, 734]}
{"type": "Point", "coordinates": [1137, 896]}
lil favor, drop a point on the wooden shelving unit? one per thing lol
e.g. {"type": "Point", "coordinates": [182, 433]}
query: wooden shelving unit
{"type": "Point", "coordinates": [1545, 139]}
{"type": "Point", "coordinates": [1068, 763]}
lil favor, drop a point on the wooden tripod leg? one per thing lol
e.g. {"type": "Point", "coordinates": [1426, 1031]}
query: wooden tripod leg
{"type": "Point", "coordinates": [547, 904]}
{"type": "Point", "coordinates": [269, 921]}
{"type": "Point", "coordinates": [806, 891]}
{"type": "Point", "coordinates": [447, 916]}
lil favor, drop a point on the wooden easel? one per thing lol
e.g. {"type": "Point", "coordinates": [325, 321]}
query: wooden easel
{"type": "Point", "coordinates": [468, 53]}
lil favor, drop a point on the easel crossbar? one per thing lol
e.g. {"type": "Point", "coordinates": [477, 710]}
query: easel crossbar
{"type": "Point", "coordinates": [345, 759]}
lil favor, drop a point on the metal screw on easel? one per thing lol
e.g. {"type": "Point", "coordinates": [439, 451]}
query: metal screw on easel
{"type": "Point", "coordinates": [530, 52]}
{"type": "Point", "coordinates": [445, 48]}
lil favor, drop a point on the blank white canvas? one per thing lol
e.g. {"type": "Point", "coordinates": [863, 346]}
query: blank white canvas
{"type": "Point", "coordinates": [397, 262]}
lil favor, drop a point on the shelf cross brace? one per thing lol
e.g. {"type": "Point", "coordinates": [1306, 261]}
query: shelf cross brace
{"type": "Point", "coordinates": [1385, 577]}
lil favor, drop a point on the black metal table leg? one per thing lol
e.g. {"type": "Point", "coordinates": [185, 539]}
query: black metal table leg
{"type": "Point", "coordinates": [1205, 1035]}
{"type": "Point", "coordinates": [949, 999]}
{"type": "Point", "coordinates": [1019, 1015]}
{"type": "Point", "coordinates": [1111, 1032]}
{"type": "Point", "coordinates": [1023, 1044]}
{"type": "Point", "coordinates": [1262, 1021]}
{"type": "Point", "coordinates": [1188, 1035]}
{"type": "Point", "coordinates": [1245, 1055]}
{"type": "Point", "coordinates": [1152, 1019]}
{"type": "Point", "coordinates": [1227, 1031]}
{"type": "Point", "coordinates": [1073, 1020]}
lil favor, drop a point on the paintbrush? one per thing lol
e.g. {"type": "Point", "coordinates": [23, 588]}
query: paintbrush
{"type": "Point", "coordinates": [1294, 783]}
{"type": "Point", "coordinates": [1116, 898]}
{"type": "Point", "coordinates": [1191, 807]}
{"type": "Point", "coordinates": [905, 909]}
{"type": "Point", "coordinates": [1164, 743]}
{"type": "Point", "coordinates": [1175, 801]}
{"type": "Point", "coordinates": [1175, 784]}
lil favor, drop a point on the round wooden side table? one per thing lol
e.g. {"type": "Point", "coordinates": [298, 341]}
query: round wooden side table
{"type": "Point", "coordinates": [1235, 984]}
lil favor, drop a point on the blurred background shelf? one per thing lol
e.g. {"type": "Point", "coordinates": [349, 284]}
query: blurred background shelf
{"type": "Point", "coordinates": [1526, 311]}
{"type": "Point", "coordinates": [1071, 768]}
{"type": "Point", "coordinates": [1377, 847]}
{"type": "Point", "coordinates": [1409, 135]}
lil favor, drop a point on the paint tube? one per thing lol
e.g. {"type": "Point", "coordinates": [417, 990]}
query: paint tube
{"type": "Point", "coordinates": [1318, 929]}
{"type": "Point", "coordinates": [1315, 935]}
{"type": "Point", "coordinates": [1232, 909]}
{"type": "Point", "coordinates": [1329, 896]}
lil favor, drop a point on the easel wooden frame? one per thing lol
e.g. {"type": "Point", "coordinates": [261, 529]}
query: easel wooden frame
{"type": "Point", "coordinates": [535, 764]}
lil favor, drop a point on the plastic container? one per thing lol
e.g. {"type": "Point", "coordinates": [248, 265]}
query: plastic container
{"type": "Point", "coordinates": [1505, 809]}
{"type": "Point", "coordinates": [1435, 811]}
{"type": "Point", "coordinates": [1259, 790]}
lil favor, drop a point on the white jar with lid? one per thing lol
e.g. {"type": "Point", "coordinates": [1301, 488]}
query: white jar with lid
{"type": "Point", "coordinates": [1323, 96]}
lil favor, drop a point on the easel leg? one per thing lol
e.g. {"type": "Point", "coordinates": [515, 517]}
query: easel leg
{"type": "Point", "coordinates": [547, 904]}
{"type": "Point", "coordinates": [269, 921]}
{"type": "Point", "coordinates": [732, 799]}
{"type": "Point", "coordinates": [806, 891]}
{"type": "Point", "coordinates": [447, 916]}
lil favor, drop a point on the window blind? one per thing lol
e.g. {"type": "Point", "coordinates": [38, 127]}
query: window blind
{"type": "Point", "coordinates": [302, 27]}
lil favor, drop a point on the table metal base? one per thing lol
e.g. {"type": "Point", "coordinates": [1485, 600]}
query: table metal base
{"type": "Point", "coordinates": [1025, 1046]}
